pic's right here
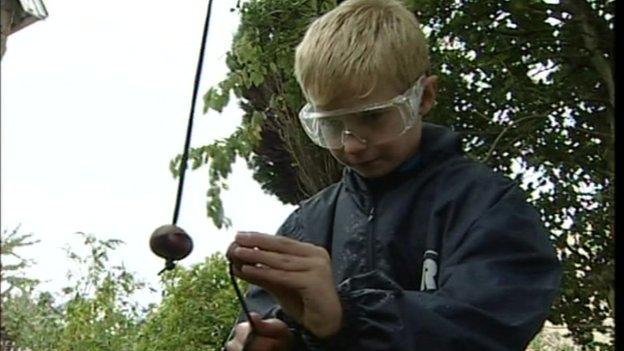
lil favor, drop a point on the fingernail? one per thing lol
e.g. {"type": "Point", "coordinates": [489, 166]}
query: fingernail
{"type": "Point", "coordinates": [238, 251]}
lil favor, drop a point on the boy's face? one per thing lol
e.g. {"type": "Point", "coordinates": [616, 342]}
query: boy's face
{"type": "Point", "coordinates": [377, 160]}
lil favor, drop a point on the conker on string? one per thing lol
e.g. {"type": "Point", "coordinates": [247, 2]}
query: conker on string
{"type": "Point", "coordinates": [171, 242]}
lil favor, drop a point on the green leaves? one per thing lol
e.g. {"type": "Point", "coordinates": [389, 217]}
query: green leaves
{"type": "Point", "coordinates": [219, 156]}
{"type": "Point", "coordinates": [261, 76]}
{"type": "Point", "coordinates": [215, 100]}
{"type": "Point", "coordinates": [11, 277]}
{"type": "Point", "coordinates": [197, 312]}
{"type": "Point", "coordinates": [100, 311]}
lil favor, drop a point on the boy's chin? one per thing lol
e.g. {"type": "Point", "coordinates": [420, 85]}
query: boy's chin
{"type": "Point", "coordinates": [375, 169]}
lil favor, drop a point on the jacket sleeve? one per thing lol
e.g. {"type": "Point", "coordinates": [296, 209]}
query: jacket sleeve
{"type": "Point", "coordinates": [495, 287]}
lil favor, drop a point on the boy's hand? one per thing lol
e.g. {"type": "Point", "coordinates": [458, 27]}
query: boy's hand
{"type": "Point", "coordinates": [297, 274]}
{"type": "Point", "coordinates": [270, 335]}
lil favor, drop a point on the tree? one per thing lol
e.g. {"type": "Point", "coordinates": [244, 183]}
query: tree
{"type": "Point", "coordinates": [19, 306]}
{"type": "Point", "coordinates": [11, 275]}
{"type": "Point", "coordinates": [101, 313]}
{"type": "Point", "coordinates": [100, 310]}
{"type": "Point", "coordinates": [197, 312]}
{"type": "Point", "coordinates": [27, 318]}
{"type": "Point", "coordinates": [98, 313]}
{"type": "Point", "coordinates": [528, 84]}
{"type": "Point", "coordinates": [284, 161]}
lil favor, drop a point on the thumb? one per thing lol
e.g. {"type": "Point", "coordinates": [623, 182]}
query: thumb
{"type": "Point", "coordinates": [272, 328]}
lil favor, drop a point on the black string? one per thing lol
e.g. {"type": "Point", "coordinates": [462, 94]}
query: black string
{"type": "Point", "coordinates": [241, 299]}
{"type": "Point", "coordinates": [170, 265]}
{"type": "Point", "coordinates": [242, 302]}
{"type": "Point", "coordinates": [189, 129]}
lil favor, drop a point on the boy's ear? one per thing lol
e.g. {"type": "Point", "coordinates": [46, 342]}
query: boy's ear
{"type": "Point", "coordinates": [428, 99]}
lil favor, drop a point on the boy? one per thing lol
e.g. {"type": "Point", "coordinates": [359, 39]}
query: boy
{"type": "Point", "coordinates": [417, 247]}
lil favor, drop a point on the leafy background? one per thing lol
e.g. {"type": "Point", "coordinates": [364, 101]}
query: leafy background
{"type": "Point", "coordinates": [528, 84]}
{"type": "Point", "coordinates": [99, 309]}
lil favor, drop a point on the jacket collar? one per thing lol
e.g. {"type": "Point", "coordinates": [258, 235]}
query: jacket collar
{"type": "Point", "coordinates": [438, 143]}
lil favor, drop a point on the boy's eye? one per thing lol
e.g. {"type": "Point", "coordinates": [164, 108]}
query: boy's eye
{"type": "Point", "coordinates": [332, 123]}
{"type": "Point", "coordinates": [371, 116]}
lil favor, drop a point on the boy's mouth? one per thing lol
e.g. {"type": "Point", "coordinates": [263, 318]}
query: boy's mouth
{"type": "Point", "coordinates": [365, 163]}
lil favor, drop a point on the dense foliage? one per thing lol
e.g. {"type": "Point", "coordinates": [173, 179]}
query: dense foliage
{"type": "Point", "coordinates": [198, 310]}
{"type": "Point", "coordinates": [529, 84]}
{"type": "Point", "coordinates": [99, 309]}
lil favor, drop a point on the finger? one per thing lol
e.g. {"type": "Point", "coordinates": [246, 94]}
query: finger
{"type": "Point", "coordinates": [269, 277]}
{"type": "Point", "coordinates": [263, 343]}
{"type": "Point", "coordinates": [253, 279]}
{"type": "Point", "coordinates": [230, 250]}
{"type": "Point", "coordinates": [272, 328]}
{"type": "Point", "coordinates": [241, 330]}
{"type": "Point", "coordinates": [275, 243]}
{"type": "Point", "coordinates": [255, 317]}
{"type": "Point", "coordinates": [234, 345]}
{"type": "Point", "coordinates": [249, 341]}
{"type": "Point", "coordinates": [231, 256]}
{"type": "Point", "coordinates": [237, 271]}
{"type": "Point", "coordinates": [272, 259]}
{"type": "Point", "coordinates": [269, 334]}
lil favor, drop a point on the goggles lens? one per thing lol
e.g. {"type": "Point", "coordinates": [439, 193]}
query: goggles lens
{"type": "Point", "coordinates": [372, 124]}
{"type": "Point", "coordinates": [373, 127]}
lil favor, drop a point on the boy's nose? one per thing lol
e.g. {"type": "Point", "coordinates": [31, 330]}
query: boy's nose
{"type": "Point", "coordinates": [352, 143]}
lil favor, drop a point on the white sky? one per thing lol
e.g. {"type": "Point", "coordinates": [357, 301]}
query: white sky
{"type": "Point", "coordinates": [95, 103]}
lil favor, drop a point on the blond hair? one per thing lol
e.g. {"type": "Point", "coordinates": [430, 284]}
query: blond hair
{"type": "Point", "coordinates": [357, 44]}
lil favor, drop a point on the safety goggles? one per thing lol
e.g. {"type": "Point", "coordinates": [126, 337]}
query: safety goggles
{"type": "Point", "coordinates": [370, 124]}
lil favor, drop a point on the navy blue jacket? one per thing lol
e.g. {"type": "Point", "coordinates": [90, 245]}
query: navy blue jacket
{"type": "Point", "coordinates": [442, 254]}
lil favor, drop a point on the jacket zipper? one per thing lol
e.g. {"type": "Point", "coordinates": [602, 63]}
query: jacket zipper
{"type": "Point", "coordinates": [371, 241]}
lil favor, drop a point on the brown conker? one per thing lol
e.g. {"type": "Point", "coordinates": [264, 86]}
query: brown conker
{"type": "Point", "coordinates": [171, 242]}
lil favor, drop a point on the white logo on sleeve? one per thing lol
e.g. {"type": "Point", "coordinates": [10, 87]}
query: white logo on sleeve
{"type": "Point", "coordinates": [429, 271]}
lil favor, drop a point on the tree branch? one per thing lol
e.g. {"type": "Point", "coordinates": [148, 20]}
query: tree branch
{"type": "Point", "coordinates": [583, 12]}
{"type": "Point", "coordinates": [511, 124]}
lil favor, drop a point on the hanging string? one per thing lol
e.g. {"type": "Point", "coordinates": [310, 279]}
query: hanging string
{"type": "Point", "coordinates": [183, 166]}
{"type": "Point", "coordinates": [240, 297]}
{"type": "Point", "coordinates": [252, 334]}
{"type": "Point", "coordinates": [189, 129]}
